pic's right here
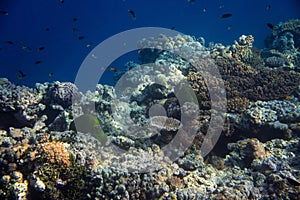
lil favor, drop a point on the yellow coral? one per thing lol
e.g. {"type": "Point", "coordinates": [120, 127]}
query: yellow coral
{"type": "Point", "coordinates": [55, 153]}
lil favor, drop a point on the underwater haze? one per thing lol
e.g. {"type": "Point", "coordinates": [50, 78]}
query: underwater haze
{"type": "Point", "coordinates": [45, 41]}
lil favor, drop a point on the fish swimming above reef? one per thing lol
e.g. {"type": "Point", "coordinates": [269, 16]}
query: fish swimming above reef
{"type": "Point", "coordinates": [37, 62]}
{"type": "Point", "coordinates": [9, 42]}
{"type": "Point", "coordinates": [20, 75]}
{"type": "Point", "coordinates": [26, 48]}
{"type": "Point", "coordinates": [3, 12]}
{"type": "Point", "coordinates": [132, 13]}
{"type": "Point", "coordinates": [191, 1]}
{"type": "Point", "coordinates": [51, 74]}
{"type": "Point", "coordinates": [40, 48]}
{"type": "Point", "coordinates": [226, 15]}
{"type": "Point", "coordinates": [113, 69]}
{"type": "Point", "coordinates": [229, 27]}
{"type": "Point", "coordinates": [80, 37]}
{"type": "Point", "coordinates": [89, 124]}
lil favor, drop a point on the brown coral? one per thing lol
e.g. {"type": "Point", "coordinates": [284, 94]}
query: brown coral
{"type": "Point", "coordinates": [55, 153]}
{"type": "Point", "coordinates": [237, 104]}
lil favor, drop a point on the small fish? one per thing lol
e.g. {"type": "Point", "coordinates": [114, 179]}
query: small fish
{"type": "Point", "coordinates": [26, 48]}
{"type": "Point", "coordinates": [221, 6]}
{"type": "Point", "coordinates": [47, 29]}
{"type": "Point", "coordinates": [40, 49]}
{"type": "Point", "coordinates": [191, 1]}
{"type": "Point", "coordinates": [88, 45]}
{"type": "Point", "coordinates": [80, 37]}
{"type": "Point", "coordinates": [3, 12]}
{"type": "Point", "coordinates": [21, 75]}
{"type": "Point", "coordinates": [9, 42]}
{"type": "Point", "coordinates": [51, 74]}
{"type": "Point", "coordinates": [172, 28]}
{"type": "Point", "coordinates": [204, 10]}
{"type": "Point", "coordinates": [132, 13]}
{"type": "Point", "coordinates": [62, 1]}
{"type": "Point", "coordinates": [74, 30]}
{"type": "Point", "coordinates": [288, 97]}
{"type": "Point", "coordinates": [74, 19]}
{"type": "Point", "coordinates": [113, 69]}
{"type": "Point", "coordinates": [268, 7]}
{"type": "Point", "coordinates": [37, 62]}
{"type": "Point", "coordinates": [89, 124]}
{"type": "Point", "coordinates": [229, 27]}
{"type": "Point", "coordinates": [226, 15]}
{"type": "Point", "coordinates": [271, 26]}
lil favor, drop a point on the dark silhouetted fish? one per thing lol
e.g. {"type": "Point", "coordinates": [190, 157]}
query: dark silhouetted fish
{"type": "Point", "coordinates": [20, 75]}
{"type": "Point", "coordinates": [3, 12]}
{"type": "Point", "coordinates": [132, 13]}
{"type": "Point", "coordinates": [226, 15]}
{"type": "Point", "coordinates": [37, 62]}
{"type": "Point", "coordinates": [268, 7]}
{"type": "Point", "coordinates": [172, 28]}
{"type": "Point", "coordinates": [47, 29]}
{"type": "Point", "coordinates": [80, 37]}
{"type": "Point", "coordinates": [191, 1]}
{"type": "Point", "coordinates": [40, 48]}
{"type": "Point", "coordinates": [62, 1]}
{"type": "Point", "coordinates": [9, 42]}
{"type": "Point", "coordinates": [74, 19]}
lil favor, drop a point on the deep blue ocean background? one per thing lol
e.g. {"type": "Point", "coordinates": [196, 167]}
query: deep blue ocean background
{"type": "Point", "coordinates": [31, 24]}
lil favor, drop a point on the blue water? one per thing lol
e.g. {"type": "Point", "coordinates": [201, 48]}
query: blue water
{"type": "Point", "coordinates": [27, 21]}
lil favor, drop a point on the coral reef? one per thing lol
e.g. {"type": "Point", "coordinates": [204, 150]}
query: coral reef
{"type": "Point", "coordinates": [284, 44]}
{"type": "Point", "coordinates": [20, 106]}
{"type": "Point", "coordinates": [123, 146]}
